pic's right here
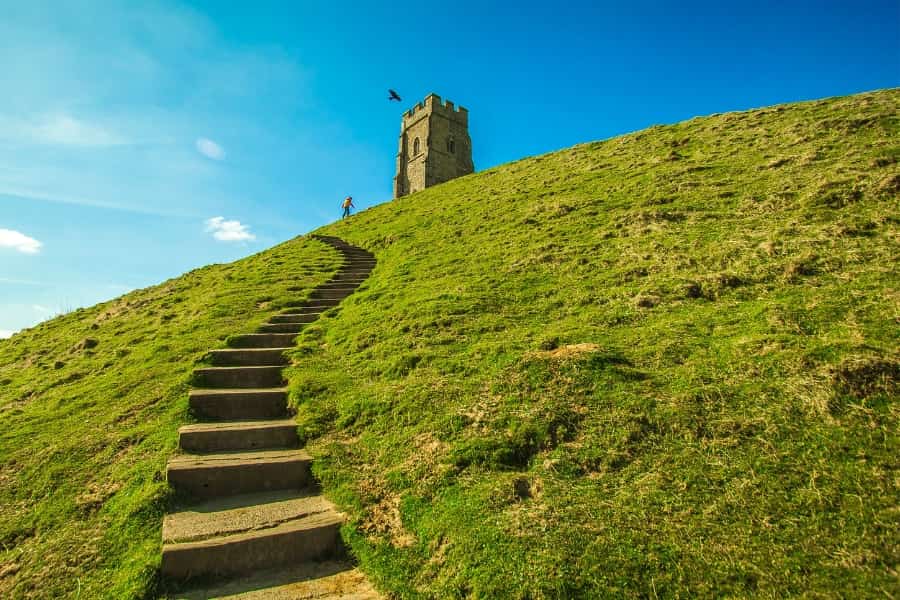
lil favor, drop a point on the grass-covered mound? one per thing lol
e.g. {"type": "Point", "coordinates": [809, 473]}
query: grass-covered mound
{"type": "Point", "coordinates": [90, 404]}
{"type": "Point", "coordinates": [665, 364]}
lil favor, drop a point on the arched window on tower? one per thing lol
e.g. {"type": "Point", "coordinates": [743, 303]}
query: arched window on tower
{"type": "Point", "coordinates": [416, 147]}
{"type": "Point", "coordinates": [451, 145]}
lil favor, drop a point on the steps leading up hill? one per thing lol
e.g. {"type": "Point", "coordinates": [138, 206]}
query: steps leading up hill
{"type": "Point", "coordinates": [253, 505]}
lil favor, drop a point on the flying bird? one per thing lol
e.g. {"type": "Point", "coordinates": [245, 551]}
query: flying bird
{"type": "Point", "coordinates": [393, 96]}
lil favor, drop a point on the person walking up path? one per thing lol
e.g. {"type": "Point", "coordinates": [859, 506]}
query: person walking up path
{"type": "Point", "coordinates": [347, 205]}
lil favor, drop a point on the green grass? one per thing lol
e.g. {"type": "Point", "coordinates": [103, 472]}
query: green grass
{"type": "Point", "coordinates": [663, 365]}
{"type": "Point", "coordinates": [90, 404]}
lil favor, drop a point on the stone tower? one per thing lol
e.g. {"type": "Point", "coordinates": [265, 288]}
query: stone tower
{"type": "Point", "coordinates": [434, 146]}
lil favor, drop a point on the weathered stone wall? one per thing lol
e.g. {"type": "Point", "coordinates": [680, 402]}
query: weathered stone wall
{"type": "Point", "coordinates": [444, 147]}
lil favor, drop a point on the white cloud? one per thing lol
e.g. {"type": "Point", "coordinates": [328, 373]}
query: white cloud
{"type": "Point", "coordinates": [210, 149]}
{"type": "Point", "coordinates": [228, 231]}
{"type": "Point", "coordinates": [10, 238]}
{"type": "Point", "coordinates": [41, 309]}
{"type": "Point", "coordinates": [5, 333]}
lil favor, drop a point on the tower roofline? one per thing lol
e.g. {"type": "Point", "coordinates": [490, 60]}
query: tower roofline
{"type": "Point", "coordinates": [434, 103]}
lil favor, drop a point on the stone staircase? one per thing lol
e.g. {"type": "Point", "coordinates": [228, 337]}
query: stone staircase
{"type": "Point", "coordinates": [253, 505]}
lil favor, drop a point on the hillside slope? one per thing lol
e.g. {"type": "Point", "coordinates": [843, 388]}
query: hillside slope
{"type": "Point", "coordinates": [90, 404]}
{"type": "Point", "coordinates": [664, 364]}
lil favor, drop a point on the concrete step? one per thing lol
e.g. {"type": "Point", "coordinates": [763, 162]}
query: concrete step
{"type": "Point", "coordinates": [329, 579]}
{"type": "Point", "coordinates": [302, 309]}
{"type": "Point", "coordinates": [339, 286]}
{"type": "Point", "coordinates": [247, 533]}
{"type": "Point", "coordinates": [312, 304]}
{"type": "Point", "coordinates": [237, 404]}
{"type": "Point", "coordinates": [325, 293]}
{"type": "Point", "coordinates": [230, 473]}
{"type": "Point", "coordinates": [230, 357]}
{"type": "Point", "coordinates": [358, 269]}
{"type": "Point", "coordinates": [349, 276]}
{"type": "Point", "coordinates": [301, 317]}
{"type": "Point", "coordinates": [281, 327]}
{"type": "Point", "coordinates": [238, 435]}
{"type": "Point", "coordinates": [336, 285]}
{"type": "Point", "coordinates": [262, 340]}
{"type": "Point", "coordinates": [239, 377]}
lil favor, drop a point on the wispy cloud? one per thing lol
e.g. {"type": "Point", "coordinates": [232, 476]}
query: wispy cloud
{"type": "Point", "coordinates": [61, 129]}
{"type": "Point", "coordinates": [41, 309]}
{"type": "Point", "coordinates": [228, 231]}
{"type": "Point", "coordinates": [24, 194]}
{"type": "Point", "coordinates": [5, 333]}
{"type": "Point", "coordinates": [12, 281]}
{"type": "Point", "coordinates": [112, 78]}
{"type": "Point", "coordinates": [210, 149]}
{"type": "Point", "coordinates": [10, 238]}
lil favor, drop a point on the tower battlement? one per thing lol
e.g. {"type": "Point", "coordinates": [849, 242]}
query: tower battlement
{"type": "Point", "coordinates": [434, 145]}
{"type": "Point", "coordinates": [434, 103]}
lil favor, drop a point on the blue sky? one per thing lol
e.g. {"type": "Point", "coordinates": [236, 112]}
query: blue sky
{"type": "Point", "coordinates": [139, 140]}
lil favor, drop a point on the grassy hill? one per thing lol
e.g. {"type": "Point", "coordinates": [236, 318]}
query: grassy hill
{"type": "Point", "coordinates": [90, 405]}
{"type": "Point", "coordinates": [664, 364]}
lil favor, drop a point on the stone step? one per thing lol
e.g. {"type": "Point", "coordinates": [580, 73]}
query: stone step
{"type": "Point", "coordinates": [231, 357]}
{"type": "Point", "coordinates": [329, 579]}
{"type": "Point", "coordinates": [293, 310]}
{"type": "Point", "coordinates": [238, 435]}
{"type": "Point", "coordinates": [301, 317]}
{"type": "Point", "coordinates": [354, 280]}
{"type": "Point", "coordinates": [230, 473]}
{"type": "Point", "coordinates": [262, 340]}
{"type": "Point", "coordinates": [337, 285]}
{"type": "Point", "coordinates": [237, 404]}
{"type": "Point", "coordinates": [313, 304]}
{"type": "Point", "coordinates": [356, 270]}
{"type": "Point", "coordinates": [239, 377]}
{"type": "Point", "coordinates": [316, 300]}
{"type": "Point", "coordinates": [304, 310]}
{"type": "Point", "coordinates": [323, 293]}
{"type": "Point", "coordinates": [247, 533]}
{"type": "Point", "coordinates": [281, 327]}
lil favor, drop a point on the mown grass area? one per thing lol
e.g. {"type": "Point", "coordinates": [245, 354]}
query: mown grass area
{"type": "Point", "coordinates": [662, 365]}
{"type": "Point", "coordinates": [90, 404]}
